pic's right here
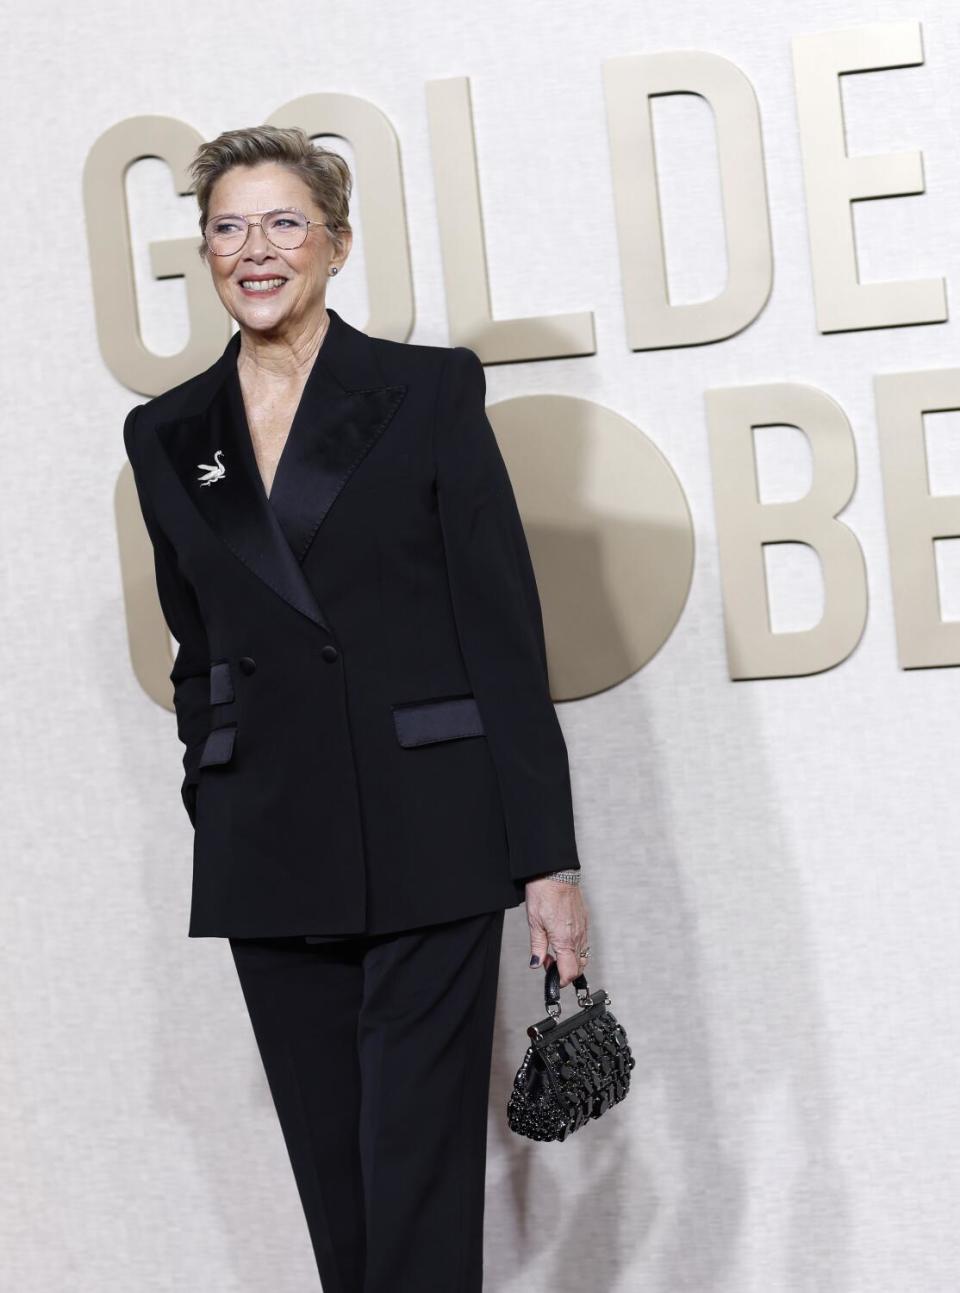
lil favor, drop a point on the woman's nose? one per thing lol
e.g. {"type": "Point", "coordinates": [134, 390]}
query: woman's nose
{"type": "Point", "coordinates": [256, 239]}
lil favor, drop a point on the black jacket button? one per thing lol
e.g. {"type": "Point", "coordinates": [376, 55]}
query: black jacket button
{"type": "Point", "coordinates": [247, 663]}
{"type": "Point", "coordinates": [329, 653]}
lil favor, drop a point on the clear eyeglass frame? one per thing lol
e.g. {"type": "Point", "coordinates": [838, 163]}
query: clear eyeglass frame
{"type": "Point", "coordinates": [248, 223]}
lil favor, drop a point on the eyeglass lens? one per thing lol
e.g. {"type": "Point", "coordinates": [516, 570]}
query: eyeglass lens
{"type": "Point", "coordinates": [228, 233]}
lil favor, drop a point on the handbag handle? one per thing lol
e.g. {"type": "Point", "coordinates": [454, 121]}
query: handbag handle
{"type": "Point", "coordinates": [551, 990]}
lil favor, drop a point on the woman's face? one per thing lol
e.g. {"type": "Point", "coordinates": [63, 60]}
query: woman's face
{"type": "Point", "coordinates": [299, 301]}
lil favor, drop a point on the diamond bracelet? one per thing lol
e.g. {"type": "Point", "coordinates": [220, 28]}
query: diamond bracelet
{"type": "Point", "coordinates": [566, 877]}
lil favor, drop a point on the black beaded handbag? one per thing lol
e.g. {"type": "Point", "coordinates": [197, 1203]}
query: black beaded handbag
{"type": "Point", "coordinates": [572, 1071]}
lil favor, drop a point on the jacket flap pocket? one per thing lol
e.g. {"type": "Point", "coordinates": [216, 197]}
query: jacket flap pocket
{"type": "Point", "coordinates": [437, 720]}
{"type": "Point", "coordinates": [221, 683]}
{"type": "Point", "coordinates": [219, 746]}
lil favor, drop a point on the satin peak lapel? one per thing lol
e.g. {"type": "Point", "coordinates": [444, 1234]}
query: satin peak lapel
{"type": "Point", "coordinates": [344, 409]}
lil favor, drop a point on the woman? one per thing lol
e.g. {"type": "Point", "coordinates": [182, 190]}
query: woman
{"type": "Point", "coordinates": [373, 765]}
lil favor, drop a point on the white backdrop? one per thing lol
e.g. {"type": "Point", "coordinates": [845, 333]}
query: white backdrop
{"type": "Point", "coordinates": [770, 865]}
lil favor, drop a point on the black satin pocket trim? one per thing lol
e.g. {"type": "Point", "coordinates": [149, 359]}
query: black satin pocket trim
{"type": "Point", "coordinates": [221, 683]}
{"type": "Point", "coordinates": [219, 746]}
{"type": "Point", "coordinates": [437, 720]}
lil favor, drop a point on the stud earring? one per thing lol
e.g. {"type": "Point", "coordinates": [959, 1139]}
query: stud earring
{"type": "Point", "coordinates": [334, 270]}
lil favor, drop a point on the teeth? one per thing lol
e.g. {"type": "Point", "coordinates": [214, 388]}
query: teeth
{"type": "Point", "coordinates": [261, 285]}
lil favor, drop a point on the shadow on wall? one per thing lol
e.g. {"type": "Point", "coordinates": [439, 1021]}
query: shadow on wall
{"type": "Point", "coordinates": [718, 1169]}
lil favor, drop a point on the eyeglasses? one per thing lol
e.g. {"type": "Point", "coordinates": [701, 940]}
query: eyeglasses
{"type": "Point", "coordinates": [286, 229]}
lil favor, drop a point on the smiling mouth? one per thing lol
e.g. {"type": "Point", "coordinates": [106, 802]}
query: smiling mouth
{"type": "Point", "coordinates": [261, 286]}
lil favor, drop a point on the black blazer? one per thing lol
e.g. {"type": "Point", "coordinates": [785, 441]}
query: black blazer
{"type": "Point", "coordinates": [361, 682]}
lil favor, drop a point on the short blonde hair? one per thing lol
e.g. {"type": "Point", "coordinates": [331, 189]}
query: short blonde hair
{"type": "Point", "coordinates": [324, 172]}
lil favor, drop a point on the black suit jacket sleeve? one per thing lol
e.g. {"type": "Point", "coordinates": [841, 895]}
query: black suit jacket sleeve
{"type": "Point", "coordinates": [191, 667]}
{"type": "Point", "coordinates": [499, 623]}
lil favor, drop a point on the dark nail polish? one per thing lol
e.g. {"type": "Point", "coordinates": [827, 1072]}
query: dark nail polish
{"type": "Point", "coordinates": [534, 960]}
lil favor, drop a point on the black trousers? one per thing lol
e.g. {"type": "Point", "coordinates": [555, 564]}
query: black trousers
{"type": "Point", "coordinates": [377, 1052]}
